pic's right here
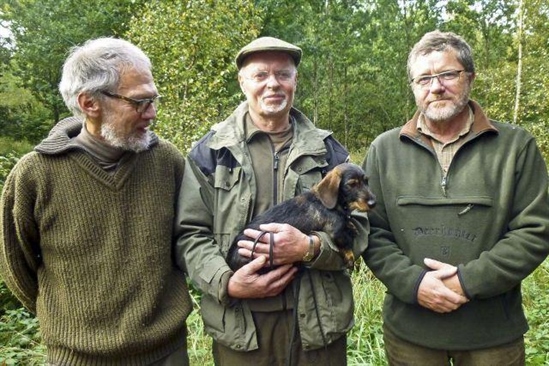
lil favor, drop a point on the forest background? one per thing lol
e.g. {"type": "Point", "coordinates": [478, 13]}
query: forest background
{"type": "Point", "coordinates": [352, 80]}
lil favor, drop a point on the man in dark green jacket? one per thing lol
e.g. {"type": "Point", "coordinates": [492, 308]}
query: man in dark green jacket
{"type": "Point", "coordinates": [265, 152]}
{"type": "Point", "coordinates": [462, 218]}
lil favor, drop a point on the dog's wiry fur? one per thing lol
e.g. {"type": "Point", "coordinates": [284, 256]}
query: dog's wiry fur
{"type": "Point", "coordinates": [326, 207]}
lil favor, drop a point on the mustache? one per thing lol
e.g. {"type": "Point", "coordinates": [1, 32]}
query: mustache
{"type": "Point", "coordinates": [275, 95]}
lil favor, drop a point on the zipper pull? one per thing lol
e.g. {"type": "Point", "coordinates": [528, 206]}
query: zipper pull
{"type": "Point", "coordinates": [276, 159]}
{"type": "Point", "coordinates": [443, 185]}
{"type": "Point", "coordinates": [466, 209]}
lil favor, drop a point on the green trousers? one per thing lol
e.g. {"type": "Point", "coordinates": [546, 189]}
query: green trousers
{"type": "Point", "coordinates": [275, 332]}
{"type": "Point", "coordinates": [402, 353]}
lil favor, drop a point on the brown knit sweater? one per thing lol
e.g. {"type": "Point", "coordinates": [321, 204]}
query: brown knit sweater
{"type": "Point", "coordinates": [91, 252]}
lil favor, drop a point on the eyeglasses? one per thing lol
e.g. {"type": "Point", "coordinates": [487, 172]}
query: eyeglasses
{"type": "Point", "coordinates": [446, 77]}
{"type": "Point", "coordinates": [282, 76]}
{"type": "Point", "coordinates": [141, 105]}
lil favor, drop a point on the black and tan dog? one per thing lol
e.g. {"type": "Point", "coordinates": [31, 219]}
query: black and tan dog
{"type": "Point", "coordinates": [326, 207]}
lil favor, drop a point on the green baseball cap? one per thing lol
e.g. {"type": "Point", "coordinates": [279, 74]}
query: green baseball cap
{"type": "Point", "coordinates": [265, 44]}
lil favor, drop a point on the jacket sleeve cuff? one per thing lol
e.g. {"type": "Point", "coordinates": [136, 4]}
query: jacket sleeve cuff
{"type": "Point", "coordinates": [416, 287]}
{"type": "Point", "coordinates": [223, 295]}
{"type": "Point", "coordinates": [329, 257]}
{"type": "Point", "coordinates": [460, 278]}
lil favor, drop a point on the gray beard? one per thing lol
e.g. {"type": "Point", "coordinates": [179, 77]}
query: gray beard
{"type": "Point", "coordinates": [447, 113]}
{"type": "Point", "coordinates": [270, 109]}
{"type": "Point", "coordinates": [130, 143]}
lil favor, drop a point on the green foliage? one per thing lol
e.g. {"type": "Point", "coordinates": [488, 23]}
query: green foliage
{"type": "Point", "coordinates": [352, 80]}
{"type": "Point", "coordinates": [536, 305]}
{"type": "Point", "coordinates": [192, 45]}
{"type": "Point", "coordinates": [22, 116]}
{"type": "Point", "coordinates": [43, 32]}
{"type": "Point", "coordinates": [16, 147]}
{"type": "Point", "coordinates": [10, 152]}
{"type": "Point", "coordinates": [20, 339]}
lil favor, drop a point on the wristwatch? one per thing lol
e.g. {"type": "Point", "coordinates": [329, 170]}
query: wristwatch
{"type": "Point", "coordinates": [311, 252]}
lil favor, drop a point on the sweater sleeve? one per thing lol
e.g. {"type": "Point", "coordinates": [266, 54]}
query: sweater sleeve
{"type": "Point", "coordinates": [19, 250]}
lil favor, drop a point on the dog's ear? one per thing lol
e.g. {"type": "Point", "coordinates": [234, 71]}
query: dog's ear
{"type": "Point", "coordinates": [327, 190]}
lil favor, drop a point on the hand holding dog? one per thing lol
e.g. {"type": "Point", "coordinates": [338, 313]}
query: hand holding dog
{"type": "Point", "coordinates": [247, 283]}
{"type": "Point", "coordinates": [434, 294]}
{"type": "Point", "coordinates": [290, 244]}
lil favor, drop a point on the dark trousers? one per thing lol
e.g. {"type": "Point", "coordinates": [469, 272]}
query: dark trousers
{"type": "Point", "coordinates": [275, 332]}
{"type": "Point", "coordinates": [402, 353]}
{"type": "Point", "coordinates": [179, 357]}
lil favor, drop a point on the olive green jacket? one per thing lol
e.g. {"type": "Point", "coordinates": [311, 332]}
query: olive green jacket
{"type": "Point", "coordinates": [489, 217]}
{"type": "Point", "coordinates": [217, 196]}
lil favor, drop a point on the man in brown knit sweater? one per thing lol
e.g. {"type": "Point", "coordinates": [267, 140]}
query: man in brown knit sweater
{"type": "Point", "coordinates": [86, 240]}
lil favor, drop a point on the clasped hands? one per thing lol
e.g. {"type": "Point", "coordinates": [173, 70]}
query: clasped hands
{"type": "Point", "coordinates": [440, 289]}
{"type": "Point", "coordinates": [291, 245]}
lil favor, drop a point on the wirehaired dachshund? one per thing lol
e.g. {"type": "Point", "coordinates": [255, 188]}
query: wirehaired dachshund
{"type": "Point", "coordinates": [326, 207]}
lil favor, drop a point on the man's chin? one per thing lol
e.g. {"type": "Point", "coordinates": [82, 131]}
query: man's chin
{"type": "Point", "coordinates": [440, 112]}
{"type": "Point", "coordinates": [273, 109]}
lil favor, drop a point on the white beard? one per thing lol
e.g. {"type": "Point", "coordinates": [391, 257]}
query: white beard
{"type": "Point", "coordinates": [273, 108]}
{"type": "Point", "coordinates": [130, 143]}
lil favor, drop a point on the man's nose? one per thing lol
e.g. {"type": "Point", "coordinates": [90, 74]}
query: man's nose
{"type": "Point", "coordinates": [149, 112]}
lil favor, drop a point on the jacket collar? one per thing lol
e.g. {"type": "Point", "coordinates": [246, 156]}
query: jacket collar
{"type": "Point", "coordinates": [231, 131]}
{"type": "Point", "coordinates": [59, 140]}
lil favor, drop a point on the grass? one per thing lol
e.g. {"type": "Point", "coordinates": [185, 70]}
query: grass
{"type": "Point", "coordinates": [19, 338]}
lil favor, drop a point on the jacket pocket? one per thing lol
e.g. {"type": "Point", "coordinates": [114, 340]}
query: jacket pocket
{"type": "Point", "coordinates": [326, 307]}
{"type": "Point", "coordinates": [226, 178]}
{"type": "Point", "coordinates": [443, 201]}
{"type": "Point", "coordinates": [454, 230]}
{"type": "Point", "coordinates": [231, 326]}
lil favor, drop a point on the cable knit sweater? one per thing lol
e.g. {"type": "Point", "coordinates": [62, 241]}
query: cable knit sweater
{"type": "Point", "coordinates": [91, 252]}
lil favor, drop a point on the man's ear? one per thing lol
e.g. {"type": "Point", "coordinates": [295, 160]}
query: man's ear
{"type": "Point", "coordinates": [241, 83]}
{"type": "Point", "coordinates": [89, 105]}
{"type": "Point", "coordinates": [472, 78]}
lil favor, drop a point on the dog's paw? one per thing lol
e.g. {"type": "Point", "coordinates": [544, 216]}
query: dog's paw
{"type": "Point", "coordinates": [349, 259]}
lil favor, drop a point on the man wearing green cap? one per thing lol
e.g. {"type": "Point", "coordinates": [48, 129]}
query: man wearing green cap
{"type": "Point", "coordinates": [266, 151]}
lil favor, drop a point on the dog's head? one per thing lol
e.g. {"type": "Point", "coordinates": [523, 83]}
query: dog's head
{"type": "Point", "coordinates": [346, 185]}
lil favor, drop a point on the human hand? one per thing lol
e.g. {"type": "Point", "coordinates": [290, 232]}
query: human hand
{"type": "Point", "coordinates": [433, 293]}
{"type": "Point", "coordinates": [452, 281]}
{"type": "Point", "coordinates": [290, 244]}
{"type": "Point", "coordinates": [247, 283]}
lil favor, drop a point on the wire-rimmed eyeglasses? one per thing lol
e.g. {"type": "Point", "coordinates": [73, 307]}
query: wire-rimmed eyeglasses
{"type": "Point", "coordinates": [141, 105]}
{"type": "Point", "coordinates": [443, 77]}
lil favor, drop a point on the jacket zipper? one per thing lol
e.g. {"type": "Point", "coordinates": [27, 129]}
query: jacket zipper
{"type": "Point", "coordinates": [443, 185]}
{"type": "Point", "coordinates": [276, 161]}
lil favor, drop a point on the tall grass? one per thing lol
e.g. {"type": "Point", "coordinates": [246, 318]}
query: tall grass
{"type": "Point", "coordinates": [19, 336]}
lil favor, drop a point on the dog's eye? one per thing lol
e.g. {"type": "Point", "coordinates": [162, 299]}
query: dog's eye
{"type": "Point", "coordinates": [353, 182]}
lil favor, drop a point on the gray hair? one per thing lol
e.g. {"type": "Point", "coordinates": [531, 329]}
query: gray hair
{"type": "Point", "coordinates": [97, 66]}
{"type": "Point", "coordinates": [441, 41]}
